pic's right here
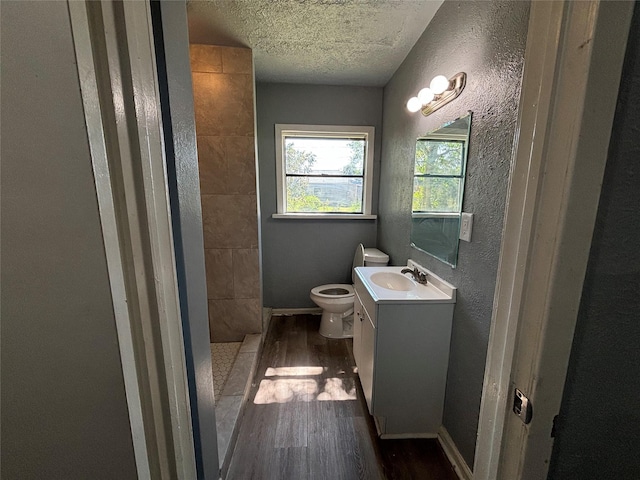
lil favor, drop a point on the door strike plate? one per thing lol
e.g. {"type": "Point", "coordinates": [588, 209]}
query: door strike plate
{"type": "Point", "coordinates": [522, 406]}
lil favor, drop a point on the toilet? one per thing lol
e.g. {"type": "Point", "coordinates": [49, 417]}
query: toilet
{"type": "Point", "coordinates": [336, 299]}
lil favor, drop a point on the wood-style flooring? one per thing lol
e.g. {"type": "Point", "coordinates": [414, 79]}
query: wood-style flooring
{"type": "Point", "coordinates": [313, 423]}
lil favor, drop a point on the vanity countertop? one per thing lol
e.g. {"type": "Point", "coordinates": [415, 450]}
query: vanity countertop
{"type": "Point", "coordinates": [435, 291]}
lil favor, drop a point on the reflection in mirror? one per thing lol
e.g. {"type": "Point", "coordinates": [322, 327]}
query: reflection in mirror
{"type": "Point", "coordinates": [438, 188]}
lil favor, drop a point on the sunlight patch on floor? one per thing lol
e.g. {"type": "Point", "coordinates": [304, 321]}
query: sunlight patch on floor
{"type": "Point", "coordinates": [286, 390]}
{"type": "Point", "coordinates": [293, 371]}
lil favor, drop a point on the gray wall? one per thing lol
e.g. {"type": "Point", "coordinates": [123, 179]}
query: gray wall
{"type": "Point", "coordinates": [597, 429]}
{"type": "Point", "coordinates": [301, 254]}
{"type": "Point", "coordinates": [486, 40]}
{"type": "Point", "coordinates": [64, 412]}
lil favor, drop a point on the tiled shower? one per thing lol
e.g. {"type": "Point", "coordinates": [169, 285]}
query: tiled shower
{"type": "Point", "coordinates": [224, 111]}
{"type": "Point", "coordinates": [223, 87]}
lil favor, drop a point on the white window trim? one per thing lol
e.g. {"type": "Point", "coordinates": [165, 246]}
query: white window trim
{"type": "Point", "coordinates": [367, 132]}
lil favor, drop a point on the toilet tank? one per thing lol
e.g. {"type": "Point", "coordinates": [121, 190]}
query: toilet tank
{"type": "Point", "coordinates": [375, 258]}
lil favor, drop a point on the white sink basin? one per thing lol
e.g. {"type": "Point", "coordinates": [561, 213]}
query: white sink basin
{"type": "Point", "coordinates": [390, 285]}
{"type": "Point", "coordinates": [393, 281]}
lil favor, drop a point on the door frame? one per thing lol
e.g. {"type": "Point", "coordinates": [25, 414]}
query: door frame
{"type": "Point", "coordinates": [116, 63]}
{"type": "Point", "coordinates": [176, 94]}
{"type": "Point", "coordinates": [572, 69]}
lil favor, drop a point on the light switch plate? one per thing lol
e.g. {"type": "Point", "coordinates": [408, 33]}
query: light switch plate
{"type": "Point", "coordinates": [466, 226]}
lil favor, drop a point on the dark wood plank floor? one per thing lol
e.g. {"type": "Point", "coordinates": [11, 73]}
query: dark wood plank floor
{"type": "Point", "coordinates": [302, 429]}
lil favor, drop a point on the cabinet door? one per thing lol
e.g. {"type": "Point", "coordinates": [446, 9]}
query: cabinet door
{"type": "Point", "coordinates": [358, 315]}
{"type": "Point", "coordinates": [367, 354]}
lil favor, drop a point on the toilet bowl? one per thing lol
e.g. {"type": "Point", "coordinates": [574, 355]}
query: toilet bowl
{"type": "Point", "coordinates": [336, 299]}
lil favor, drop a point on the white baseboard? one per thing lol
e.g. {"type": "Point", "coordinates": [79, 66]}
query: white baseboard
{"type": "Point", "coordinates": [453, 454]}
{"type": "Point", "coordinates": [296, 311]}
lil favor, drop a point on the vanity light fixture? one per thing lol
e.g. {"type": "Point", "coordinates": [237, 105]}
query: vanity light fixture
{"type": "Point", "coordinates": [441, 91]}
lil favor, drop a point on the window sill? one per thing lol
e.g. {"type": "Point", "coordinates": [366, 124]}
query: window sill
{"type": "Point", "coordinates": [323, 216]}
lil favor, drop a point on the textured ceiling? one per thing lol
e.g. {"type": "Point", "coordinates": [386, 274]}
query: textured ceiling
{"type": "Point", "coordinates": [332, 42]}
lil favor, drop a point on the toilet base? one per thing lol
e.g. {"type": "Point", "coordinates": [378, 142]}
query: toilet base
{"type": "Point", "coordinates": [336, 325]}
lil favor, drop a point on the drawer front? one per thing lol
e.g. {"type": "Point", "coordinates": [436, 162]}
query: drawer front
{"type": "Point", "coordinates": [367, 302]}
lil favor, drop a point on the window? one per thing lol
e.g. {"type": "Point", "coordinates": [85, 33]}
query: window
{"type": "Point", "coordinates": [438, 175]}
{"type": "Point", "coordinates": [324, 171]}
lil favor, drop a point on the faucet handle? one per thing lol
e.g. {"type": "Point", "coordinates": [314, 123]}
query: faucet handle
{"type": "Point", "coordinates": [420, 277]}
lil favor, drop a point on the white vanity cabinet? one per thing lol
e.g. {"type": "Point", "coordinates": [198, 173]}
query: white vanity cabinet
{"type": "Point", "coordinates": [401, 348]}
{"type": "Point", "coordinates": [364, 341]}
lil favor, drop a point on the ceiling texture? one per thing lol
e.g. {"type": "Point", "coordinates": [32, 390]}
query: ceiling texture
{"type": "Point", "coordinates": [328, 42]}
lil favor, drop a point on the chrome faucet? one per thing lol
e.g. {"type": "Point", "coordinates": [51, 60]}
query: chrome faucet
{"type": "Point", "coordinates": [417, 274]}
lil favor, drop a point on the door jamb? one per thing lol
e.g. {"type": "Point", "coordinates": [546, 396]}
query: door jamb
{"type": "Point", "coordinates": [119, 86]}
{"type": "Point", "coordinates": [572, 71]}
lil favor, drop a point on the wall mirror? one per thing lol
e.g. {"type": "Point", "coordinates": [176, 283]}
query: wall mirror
{"type": "Point", "coordinates": [438, 188]}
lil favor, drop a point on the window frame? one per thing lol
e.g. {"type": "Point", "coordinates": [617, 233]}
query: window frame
{"type": "Point", "coordinates": [367, 133]}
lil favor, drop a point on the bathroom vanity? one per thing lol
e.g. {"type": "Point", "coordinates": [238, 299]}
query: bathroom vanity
{"type": "Point", "coordinates": [401, 336]}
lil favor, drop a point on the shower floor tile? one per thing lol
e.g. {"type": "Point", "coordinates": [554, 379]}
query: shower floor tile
{"type": "Point", "coordinates": [222, 357]}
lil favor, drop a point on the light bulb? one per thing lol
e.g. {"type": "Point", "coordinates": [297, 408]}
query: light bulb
{"type": "Point", "coordinates": [439, 84]}
{"type": "Point", "coordinates": [414, 104]}
{"type": "Point", "coordinates": [425, 95]}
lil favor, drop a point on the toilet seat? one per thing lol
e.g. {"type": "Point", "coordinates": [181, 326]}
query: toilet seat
{"type": "Point", "coordinates": [337, 299]}
{"type": "Point", "coordinates": [334, 291]}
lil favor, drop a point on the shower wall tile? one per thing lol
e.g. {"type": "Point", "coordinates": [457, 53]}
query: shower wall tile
{"type": "Point", "coordinates": [220, 273]}
{"type": "Point", "coordinates": [237, 60]}
{"type": "Point", "coordinates": [227, 165]}
{"type": "Point", "coordinates": [231, 320]}
{"type": "Point", "coordinates": [205, 58]}
{"type": "Point", "coordinates": [224, 112]}
{"type": "Point", "coordinates": [246, 273]}
{"type": "Point", "coordinates": [223, 104]}
{"type": "Point", "coordinates": [241, 165]}
{"type": "Point", "coordinates": [230, 221]}
{"type": "Point", "coordinates": [212, 165]}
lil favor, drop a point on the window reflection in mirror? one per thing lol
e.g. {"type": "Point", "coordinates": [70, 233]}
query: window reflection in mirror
{"type": "Point", "coordinates": [438, 188]}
